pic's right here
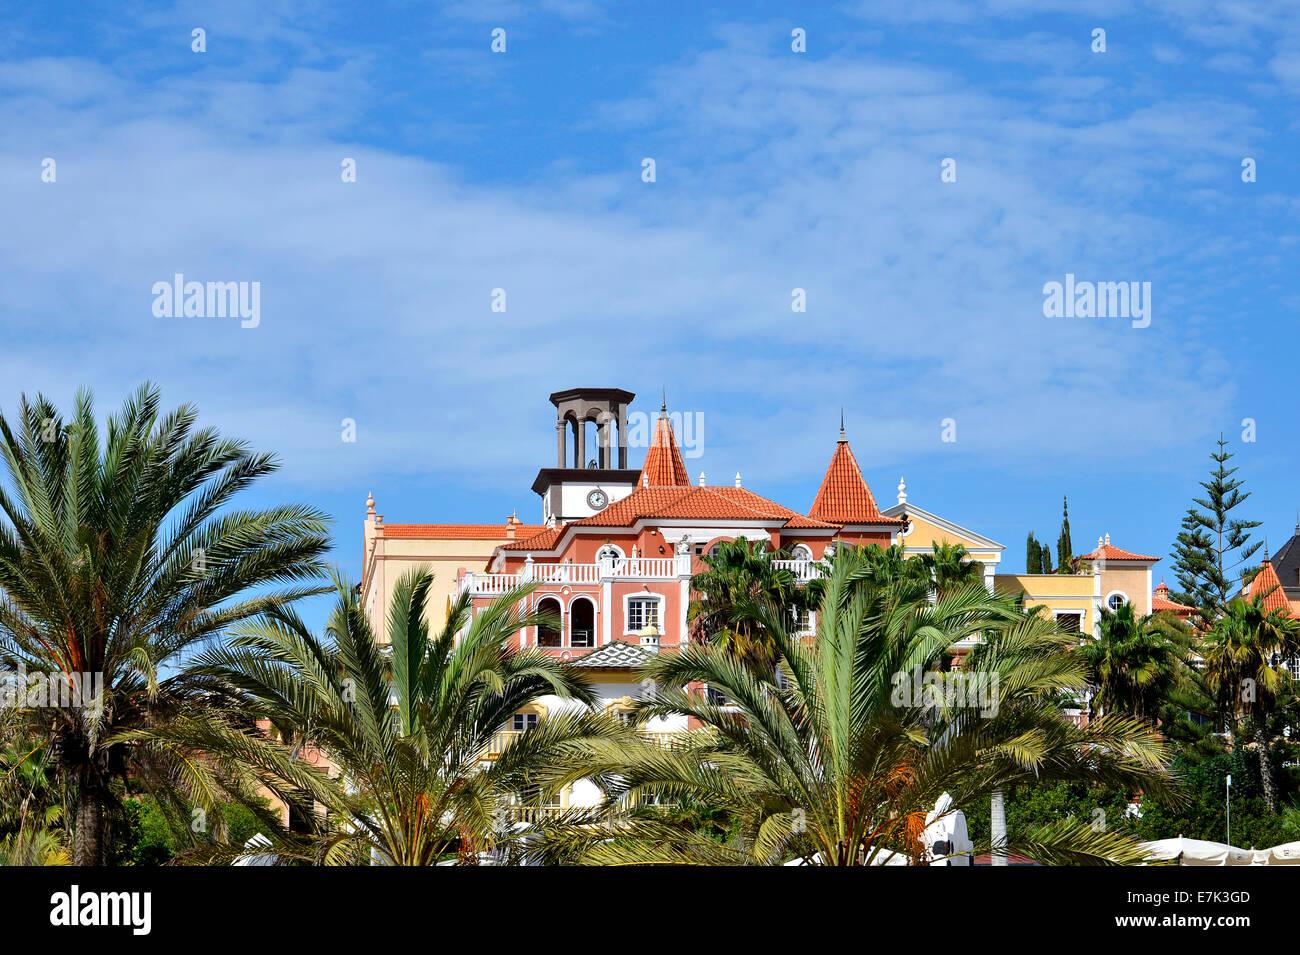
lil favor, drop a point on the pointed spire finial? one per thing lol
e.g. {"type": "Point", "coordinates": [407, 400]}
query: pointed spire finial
{"type": "Point", "coordinates": [842, 437]}
{"type": "Point", "coordinates": [902, 491]}
{"type": "Point", "coordinates": [1266, 549]}
{"type": "Point", "coordinates": [702, 480]}
{"type": "Point", "coordinates": [737, 479]}
{"type": "Point", "coordinates": [663, 404]}
{"type": "Point", "coordinates": [370, 504]}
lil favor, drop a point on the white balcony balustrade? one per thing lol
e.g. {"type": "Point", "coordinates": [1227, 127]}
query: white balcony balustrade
{"type": "Point", "coordinates": [802, 569]}
{"type": "Point", "coordinates": [639, 568]}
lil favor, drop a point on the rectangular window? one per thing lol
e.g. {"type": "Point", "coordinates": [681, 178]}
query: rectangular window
{"type": "Point", "coordinates": [641, 613]}
{"type": "Point", "coordinates": [1068, 622]}
{"type": "Point", "coordinates": [523, 721]}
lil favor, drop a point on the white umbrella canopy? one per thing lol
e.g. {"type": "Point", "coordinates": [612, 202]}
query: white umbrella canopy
{"type": "Point", "coordinates": [1286, 854]}
{"type": "Point", "coordinates": [1197, 852]}
{"type": "Point", "coordinates": [257, 857]}
{"type": "Point", "coordinates": [883, 857]}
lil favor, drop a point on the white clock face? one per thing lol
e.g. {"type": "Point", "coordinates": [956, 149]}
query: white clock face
{"type": "Point", "coordinates": [596, 500]}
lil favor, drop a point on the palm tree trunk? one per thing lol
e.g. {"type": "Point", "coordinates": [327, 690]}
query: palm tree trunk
{"type": "Point", "coordinates": [1266, 779]}
{"type": "Point", "coordinates": [88, 836]}
{"type": "Point", "coordinates": [998, 827]}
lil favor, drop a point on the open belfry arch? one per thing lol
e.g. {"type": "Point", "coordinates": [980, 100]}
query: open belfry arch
{"type": "Point", "coordinates": [605, 410]}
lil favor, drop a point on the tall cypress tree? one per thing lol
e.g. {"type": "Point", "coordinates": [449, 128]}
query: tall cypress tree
{"type": "Point", "coordinates": [1033, 555]}
{"type": "Point", "coordinates": [1212, 546]}
{"type": "Point", "coordinates": [1064, 549]}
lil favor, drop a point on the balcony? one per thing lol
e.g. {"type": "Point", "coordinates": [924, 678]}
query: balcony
{"type": "Point", "coordinates": [803, 570]}
{"type": "Point", "coordinates": [636, 568]}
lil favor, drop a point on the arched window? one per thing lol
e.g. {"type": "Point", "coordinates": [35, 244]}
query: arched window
{"type": "Point", "coordinates": [801, 552]}
{"type": "Point", "coordinates": [550, 636]}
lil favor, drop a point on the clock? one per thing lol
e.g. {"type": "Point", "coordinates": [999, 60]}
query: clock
{"type": "Point", "coordinates": [597, 499]}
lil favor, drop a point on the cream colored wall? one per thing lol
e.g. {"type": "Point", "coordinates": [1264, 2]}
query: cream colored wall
{"type": "Point", "coordinates": [925, 535]}
{"type": "Point", "coordinates": [1060, 593]}
{"type": "Point", "coordinates": [1133, 582]}
{"type": "Point", "coordinates": [391, 557]}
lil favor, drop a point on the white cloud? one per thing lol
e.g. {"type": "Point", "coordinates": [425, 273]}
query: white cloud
{"type": "Point", "coordinates": [924, 298]}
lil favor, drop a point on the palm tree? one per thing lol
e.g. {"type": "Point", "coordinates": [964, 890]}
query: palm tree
{"type": "Point", "coordinates": [414, 729]}
{"type": "Point", "coordinates": [1243, 653]}
{"type": "Point", "coordinates": [1135, 662]}
{"type": "Point", "coordinates": [116, 561]}
{"type": "Point", "coordinates": [838, 759]}
{"type": "Point", "coordinates": [951, 567]}
{"type": "Point", "coordinates": [742, 574]}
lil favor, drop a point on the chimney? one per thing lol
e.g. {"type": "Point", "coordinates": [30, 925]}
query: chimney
{"type": "Point", "coordinates": [737, 479]}
{"type": "Point", "coordinates": [511, 523]}
{"type": "Point", "coordinates": [702, 482]}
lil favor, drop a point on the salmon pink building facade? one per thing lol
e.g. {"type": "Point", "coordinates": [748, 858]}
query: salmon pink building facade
{"type": "Point", "coordinates": [620, 571]}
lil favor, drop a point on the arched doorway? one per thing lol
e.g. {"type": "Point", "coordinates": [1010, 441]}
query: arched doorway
{"type": "Point", "coordinates": [582, 623]}
{"type": "Point", "coordinates": [550, 636]}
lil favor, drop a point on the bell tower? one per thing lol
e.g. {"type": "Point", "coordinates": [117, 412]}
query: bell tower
{"type": "Point", "coordinates": [600, 408]}
{"type": "Point", "coordinates": [582, 484]}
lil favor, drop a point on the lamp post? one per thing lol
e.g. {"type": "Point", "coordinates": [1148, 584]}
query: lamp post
{"type": "Point", "coordinates": [1228, 789]}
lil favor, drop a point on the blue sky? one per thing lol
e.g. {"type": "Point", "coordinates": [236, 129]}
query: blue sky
{"type": "Point", "coordinates": [775, 170]}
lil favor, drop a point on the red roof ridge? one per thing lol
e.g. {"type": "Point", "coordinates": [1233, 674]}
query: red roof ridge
{"type": "Point", "coordinates": [1111, 552]}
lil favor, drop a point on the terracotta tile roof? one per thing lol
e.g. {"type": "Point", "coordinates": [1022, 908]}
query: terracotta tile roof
{"type": "Point", "coordinates": [725, 503]}
{"type": "Point", "coordinates": [1111, 552]}
{"type": "Point", "coordinates": [844, 497]}
{"type": "Point", "coordinates": [460, 531]}
{"type": "Point", "coordinates": [1286, 562]}
{"type": "Point", "coordinates": [545, 539]}
{"type": "Point", "coordinates": [697, 503]}
{"type": "Point", "coordinates": [663, 465]}
{"type": "Point", "coordinates": [1160, 601]}
{"type": "Point", "coordinates": [1266, 582]}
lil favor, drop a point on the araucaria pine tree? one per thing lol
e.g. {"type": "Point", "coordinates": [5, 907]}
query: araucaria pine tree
{"type": "Point", "coordinates": [1213, 547]}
